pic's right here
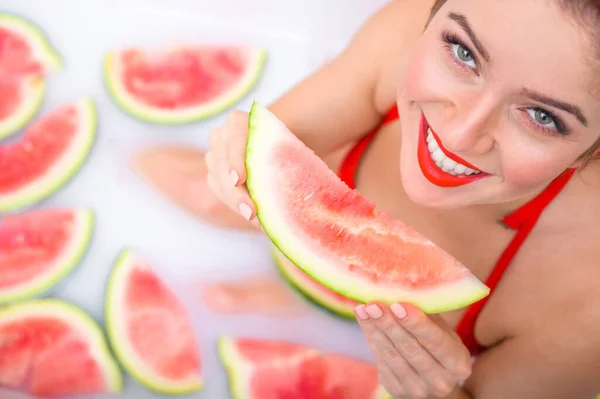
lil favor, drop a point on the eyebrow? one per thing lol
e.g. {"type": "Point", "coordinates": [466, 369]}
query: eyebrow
{"type": "Point", "coordinates": [462, 21]}
{"type": "Point", "coordinates": [570, 108]}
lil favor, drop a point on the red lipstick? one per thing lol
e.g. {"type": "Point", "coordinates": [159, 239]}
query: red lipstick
{"type": "Point", "coordinates": [434, 173]}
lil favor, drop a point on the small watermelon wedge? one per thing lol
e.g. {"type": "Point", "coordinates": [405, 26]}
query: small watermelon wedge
{"type": "Point", "coordinates": [51, 348]}
{"type": "Point", "coordinates": [53, 149]}
{"type": "Point", "coordinates": [312, 289]}
{"type": "Point", "coordinates": [149, 329]}
{"type": "Point", "coordinates": [335, 235]}
{"type": "Point", "coordinates": [181, 84]}
{"type": "Point", "coordinates": [25, 48]}
{"type": "Point", "coordinates": [26, 55]}
{"type": "Point", "coordinates": [39, 248]}
{"type": "Point", "coordinates": [272, 369]}
{"type": "Point", "coordinates": [21, 97]}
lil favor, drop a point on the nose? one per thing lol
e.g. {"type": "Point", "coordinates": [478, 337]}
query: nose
{"type": "Point", "coordinates": [470, 125]}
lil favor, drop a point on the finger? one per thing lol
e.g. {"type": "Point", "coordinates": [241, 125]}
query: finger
{"type": "Point", "coordinates": [390, 381]}
{"type": "Point", "coordinates": [216, 137]}
{"type": "Point", "coordinates": [236, 158]}
{"type": "Point", "coordinates": [383, 348]}
{"type": "Point", "coordinates": [452, 355]}
{"type": "Point", "coordinates": [236, 146]}
{"type": "Point", "coordinates": [431, 372]}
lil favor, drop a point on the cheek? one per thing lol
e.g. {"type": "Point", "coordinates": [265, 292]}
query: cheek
{"type": "Point", "coordinates": [529, 167]}
{"type": "Point", "coordinates": [426, 77]}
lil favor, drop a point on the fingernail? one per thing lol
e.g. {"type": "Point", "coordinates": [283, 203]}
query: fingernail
{"type": "Point", "coordinates": [398, 310]}
{"type": "Point", "coordinates": [374, 311]}
{"type": "Point", "coordinates": [234, 177]}
{"type": "Point", "coordinates": [360, 312]}
{"type": "Point", "coordinates": [245, 211]}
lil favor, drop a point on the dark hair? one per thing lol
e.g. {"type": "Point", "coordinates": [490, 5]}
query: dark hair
{"type": "Point", "coordinates": [587, 13]}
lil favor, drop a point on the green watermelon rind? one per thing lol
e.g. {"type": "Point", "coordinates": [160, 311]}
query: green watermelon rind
{"type": "Point", "coordinates": [262, 140]}
{"type": "Point", "coordinates": [120, 347]}
{"type": "Point", "coordinates": [63, 171]}
{"type": "Point", "coordinates": [37, 38]}
{"type": "Point", "coordinates": [238, 370]}
{"type": "Point", "coordinates": [31, 104]}
{"type": "Point", "coordinates": [337, 309]}
{"type": "Point", "coordinates": [235, 367]}
{"type": "Point", "coordinates": [71, 258]}
{"type": "Point", "coordinates": [48, 55]}
{"type": "Point", "coordinates": [178, 117]}
{"type": "Point", "coordinates": [83, 321]}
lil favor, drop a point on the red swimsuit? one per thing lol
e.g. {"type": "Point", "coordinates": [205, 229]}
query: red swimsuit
{"type": "Point", "coordinates": [522, 220]}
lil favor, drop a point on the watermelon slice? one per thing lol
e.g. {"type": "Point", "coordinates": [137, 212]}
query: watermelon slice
{"type": "Point", "coordinates": [21, 96]}
{"type": "Point", "coordinates": [25, 48]}
{"type": "Point", "coordinates": [336, 236]}
{"type": "Point", "coordinates": [149, 329]}
{"type": "Point", "coordinates": [312, 289]}
{"type": "Point", "coordinates": [50, 348]}
{"type": "Point", "coordinates": [39, 248]}
{"type": "Point", "coordinates": [181, 84]}
{"type": "Point", "coordinates": [25, 56]}
{"type": "Point", "coordinates": [271, 369]}
{"type": "Point", "coordinates": [45, 159]}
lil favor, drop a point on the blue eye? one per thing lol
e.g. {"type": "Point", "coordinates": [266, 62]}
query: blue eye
{"type": "Point", "coordinates": [546, 120]}
{"type": "Point", "coordinates": [542, 117]}
{"type": "Point", "coordinates": [464, 54]}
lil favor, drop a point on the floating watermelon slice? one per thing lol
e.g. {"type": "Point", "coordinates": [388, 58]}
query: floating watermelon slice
{"type": "Point", "coordinates": [51, 152]}
{"type": "Point", "coordinates": [182, 84]}
{"type": "Point", "coordinates": [335, 235]}
{"type": "Point", "coordinates": [149, 329]}
{"type": "Point", "coordinates": [39, 248]}
{"type": "Point", "coordinates": [21, 96]}
{"type": "Point", "coordinates": [26, 55]}
{"type": "Point", "coordinates": [25, 48]}
{"type": "Point", "coordinates": [270, 369]}
{"type": "Point", "coordinates": [50, 348]}
{"type": "Point", "coordinates": [312, 289]}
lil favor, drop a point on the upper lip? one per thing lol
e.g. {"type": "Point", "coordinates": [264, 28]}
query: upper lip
{"type": "Point", "coordinates": [449, 154]}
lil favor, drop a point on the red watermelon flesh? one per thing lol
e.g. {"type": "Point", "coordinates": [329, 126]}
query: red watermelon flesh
{"type": "Point", "coordinates": [184, 83]}
{"type": "Point", "coordinates": [182, 78]}
{"type": "Point", "coordinates": [42, 146]}
{"type": "Point", "coordinates": [150, 330]}
{"type": "Point", "coordinates": [40, 247]}
{"type": "Point", "coordinates": [24, 48]}
{"type": "Point", "coordinates": [272, 369]}
{"type": "Point", "coordinates": [10, 89]}
{"type": "Point", "coordinates": [16, 55]}
{"type": "Point", "coordinates": [50, 152]}
{"type": "Point", "coordinates": [49, 348]}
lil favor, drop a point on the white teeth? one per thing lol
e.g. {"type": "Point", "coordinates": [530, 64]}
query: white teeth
{"type": "Point", "coordinates": [438, 155]}
{"type": "Point", "coordinates": [443, 162]}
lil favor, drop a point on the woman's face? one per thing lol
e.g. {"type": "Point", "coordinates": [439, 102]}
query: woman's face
{"type": "Point", "coordinates": [497, 101]}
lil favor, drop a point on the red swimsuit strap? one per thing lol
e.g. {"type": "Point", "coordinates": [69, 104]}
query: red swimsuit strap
{"type": "Point", "coordinates": [349, 166]}
{"type": "Point", "coordinates": [523, 220]}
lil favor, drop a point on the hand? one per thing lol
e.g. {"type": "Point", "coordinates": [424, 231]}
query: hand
{"type": "Point", "coordinates": [226, 165]}
{"type": "Point", "coordinates": [416, 357]}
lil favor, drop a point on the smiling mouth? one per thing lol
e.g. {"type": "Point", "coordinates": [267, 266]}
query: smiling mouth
{"type": "Point", "coordinates": [440, 166]}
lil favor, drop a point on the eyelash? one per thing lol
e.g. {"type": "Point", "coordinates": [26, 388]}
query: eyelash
{"type": "Point", "coordinates": [451, 40]}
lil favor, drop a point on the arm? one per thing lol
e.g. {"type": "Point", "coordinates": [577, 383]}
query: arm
{"type": "Point", "coordinates": [337, 104]}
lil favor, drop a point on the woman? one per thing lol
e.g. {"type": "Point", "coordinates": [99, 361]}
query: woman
{"type": "Point", "coordinates": [503, 179]}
